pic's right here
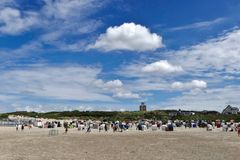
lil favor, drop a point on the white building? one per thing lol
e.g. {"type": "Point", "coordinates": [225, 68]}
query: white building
{"type": "Point", "coordinates": [230, 110]}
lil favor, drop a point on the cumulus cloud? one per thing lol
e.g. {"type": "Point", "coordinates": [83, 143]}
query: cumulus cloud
{"type": "Point", "coordinates": [189, 85]}
{"type": "Point", "coordinates": [151, 71]}
{"type": "Point", "coordinates": [128, 36]}
{"type": "Point", "coordinates": [161, 66]}
{"type": "Point", "coordinates": [119, 90]}
{"type": "Point", "coordinates": [13, 22]}
{"type": "Point", "coordinates": [114, 84]}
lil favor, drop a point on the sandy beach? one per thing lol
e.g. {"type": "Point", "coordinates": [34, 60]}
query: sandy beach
{"type": "Point", "coordinates": [185, 144]}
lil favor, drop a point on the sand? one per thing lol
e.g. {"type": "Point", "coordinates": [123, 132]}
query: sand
{"type": "Point", "coordinates": [182, 144]}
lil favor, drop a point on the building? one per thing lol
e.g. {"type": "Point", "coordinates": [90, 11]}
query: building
{"type": "Point", "coordinates": [143, 107]}
{"type": "Point", "coordinates": [181, 113]}
{"type": "Point", "coordinates": [230, 110]}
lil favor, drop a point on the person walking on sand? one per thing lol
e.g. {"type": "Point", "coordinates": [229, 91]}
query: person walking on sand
{"type": "Point", "coordinates": [65, 125]}
{"type": "Point", "coordinates": [88, 129]}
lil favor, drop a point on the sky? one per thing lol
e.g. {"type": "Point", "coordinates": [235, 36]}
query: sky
{"type": "Point", "coordinates": [111, 55]}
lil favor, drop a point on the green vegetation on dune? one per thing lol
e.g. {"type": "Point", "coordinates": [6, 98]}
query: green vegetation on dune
{"type": "Point", "coordinates": [209, 117]}
{"type": "Point", "coordinates": [3, 116]}
{"type": "Point", "coordinates": [127, 115]}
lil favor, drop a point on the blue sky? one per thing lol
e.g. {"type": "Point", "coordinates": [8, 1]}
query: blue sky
{"type": "Point", "coordinates": [114, 54]}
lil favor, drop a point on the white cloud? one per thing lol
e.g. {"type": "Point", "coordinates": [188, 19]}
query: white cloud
{"type": "Point", "coordinates": [229, 77]}
{"type": "Point", "coordinates": [49, 107]}
{"type": "Point", "coordinates": [66, 84]}
{"type": "Point", "coordinates": [126, 94]}
{"type": "Point", "coordinates": [65, 9]}
{"type": "Point", "coordinates": [209, 64]}
{"type": "Point", "coordinates": [13, 22]}
{"type": "Point", "coordinates": [155, 76]}
{"type": "Point", "coordinates": [71, 17]}
{"type": "Point", "coordinates": [199, 25]}
{"type": "Point", "coordinates": [161, 66]}
{"type": "Point", "coordinates": [57, 20]}
{"type": "Point", "coordinates": [63, 83]}
{"type": "Point", "coordinates": [128, 36]}
{"type": "Point", "coordinates": [189, 85]}
{"type": "Point", "coordinates": [4, 97]}
{"type": "Point", "coordinates": [4, 3]}
{"type": "Point", "coordinates": [148, 84]}
{"type": "Point", "coordinates": [211, 99]}
{"type": "Point", "coordinates": [67, 19]}
{"type": "Point", "coordinates": [9, 57]}
{"type": "Point", "coordinates": [151, 71]}
{"type": "Point", "coordinates": [219, 55]}
{"type": "Point", "coordinates": [114, 84]}
{"type": "Point", "coordinates": [119, 90]}
{"type": "Point", "coordinates": [214, 61]}
{"type": "Point", "coordinates": [62, 107]}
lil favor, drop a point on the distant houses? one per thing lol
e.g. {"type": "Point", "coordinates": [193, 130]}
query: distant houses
{"type": "Point", "coordinates": [181, 113]}
{"type": "Point", "coordinates": [190, 113]}
{"type": "Point", "coordinates": [230, 110]}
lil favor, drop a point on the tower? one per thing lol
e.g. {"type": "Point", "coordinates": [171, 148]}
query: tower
{"type": "Point", "coordinates": [143, 107]}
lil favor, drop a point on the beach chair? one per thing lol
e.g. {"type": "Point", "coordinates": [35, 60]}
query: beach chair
{"type": "Point", "coordinates": [53, 132]}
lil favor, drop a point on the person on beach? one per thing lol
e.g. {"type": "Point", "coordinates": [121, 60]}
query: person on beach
{"type": "Point", "coordinates": [106, 128]}
{"type": "Point", "coordinates": [89, 129]}
{"type": "Point", "coordinates": [65, 125]}
{"type": "Point", "coordinates": [16, 127]}
{"type": "Point", "coordinates": [238, 130]}
{"type": "Point", "coordinates": [22, 127]}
